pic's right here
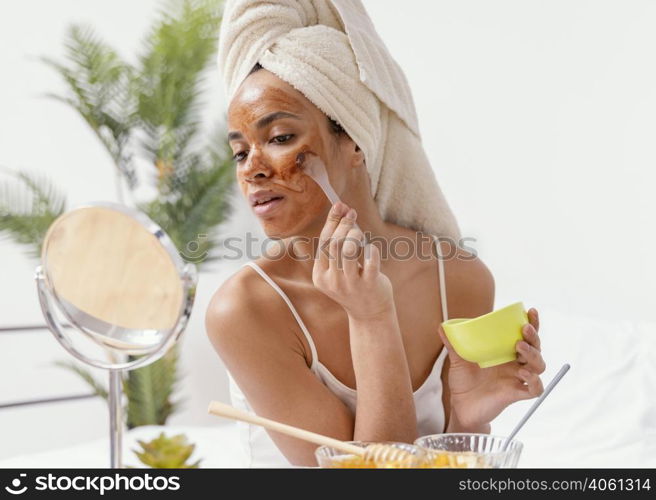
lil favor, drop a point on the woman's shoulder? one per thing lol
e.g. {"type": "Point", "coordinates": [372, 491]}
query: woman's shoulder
{"type": "Point", "coordinates": [465, 271]}
{"type": "Point", "coordinates": [462, 262]}
{"type": "Point", "coordinates": [239, 309]}
{"type": "Point", "coordinates": [469, 281]}
{"type": "Point", "coordinates": [233, 294]}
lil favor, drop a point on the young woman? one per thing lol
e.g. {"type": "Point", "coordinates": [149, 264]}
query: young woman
{"type": "Point", "coordinates": [300, 331]}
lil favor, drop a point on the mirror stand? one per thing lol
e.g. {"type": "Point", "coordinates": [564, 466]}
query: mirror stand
{"type": "Point", "coordinates": [115, 394]}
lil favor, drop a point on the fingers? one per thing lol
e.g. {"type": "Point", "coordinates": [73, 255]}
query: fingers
{"type": "Point", "coordinates": [371, 261]}
{"type": "Point", "coordinates": [533, 387]}
{"type": "Point", "coordinates": [338, 238]}
{"type": "Point", "coordinates": [522, 384]}
{"type": "Point", "coordinates": [340, 242]}
{"type": "Point", "coordinates": [453, 355]}
{"type": "Point", "coordinates": [528, 350]}
{"type": "Point", "coordinates": [531, 336]}
{"type": "Point", "coordinates": [337, 212]}
{"type": "Point", "coordinates": [351, 251]}
{"type": "Point", "coordinates": [533, 318]}
{"type": "Point", "coordinates": [530, 357]}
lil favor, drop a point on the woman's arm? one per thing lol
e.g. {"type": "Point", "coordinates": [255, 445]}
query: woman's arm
{"type": "Point", "coordinates": [477, 395]}
{"type": "Point", "coordinates": [385, 408]}
{"type": "Point", "coordinates": [470, 294]}
{"type": "Point", "coordinates": [266, 360]}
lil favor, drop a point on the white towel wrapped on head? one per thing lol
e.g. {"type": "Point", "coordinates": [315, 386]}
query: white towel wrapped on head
{"type": "Point", "coordinates": [330, 52]}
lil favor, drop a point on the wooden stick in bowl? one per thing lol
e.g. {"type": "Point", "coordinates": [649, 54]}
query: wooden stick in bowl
{"type": "Point", "coordinates": [227, 411]}
{"type": "Point", "coordinates": [378, 453]}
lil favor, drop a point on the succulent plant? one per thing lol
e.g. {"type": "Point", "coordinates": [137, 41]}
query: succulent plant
{"type": "Point", "coordinates": [165, 452]}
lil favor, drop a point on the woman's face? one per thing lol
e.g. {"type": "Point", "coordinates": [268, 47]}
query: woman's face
{"type": "Point", "coordinates": [269, 124]}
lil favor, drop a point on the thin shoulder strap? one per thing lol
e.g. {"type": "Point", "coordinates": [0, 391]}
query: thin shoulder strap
{"type": "Point", "coordinates": [442, 276]}
{"type": "Point", "coordinates": [305, 331]}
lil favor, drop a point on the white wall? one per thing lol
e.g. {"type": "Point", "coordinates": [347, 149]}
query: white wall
{"type": "Point", "coordinates": [539, 118]}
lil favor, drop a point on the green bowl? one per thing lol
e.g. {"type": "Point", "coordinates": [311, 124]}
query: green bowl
{"type": "Point", "coordinates": [490, 339]}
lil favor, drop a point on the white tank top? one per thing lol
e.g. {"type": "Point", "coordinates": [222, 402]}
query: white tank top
{"type": "Point", "coordinates": [258, 446]}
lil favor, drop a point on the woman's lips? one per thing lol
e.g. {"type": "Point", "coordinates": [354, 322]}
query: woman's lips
{"type": "Point", "coordinates": [268, 207]}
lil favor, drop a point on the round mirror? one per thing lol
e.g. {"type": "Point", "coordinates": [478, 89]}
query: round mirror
{"type": "Point", "coordinates": [119, 282]}
{"type": "Point", "coordinates": [118, 279]}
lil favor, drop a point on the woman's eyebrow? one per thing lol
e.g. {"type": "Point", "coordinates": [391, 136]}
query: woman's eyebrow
{"type": "Point", "coordinates": [264, 121]}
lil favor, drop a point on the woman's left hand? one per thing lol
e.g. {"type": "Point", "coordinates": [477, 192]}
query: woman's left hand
{"type": "Point", "coordinates": [478, 395]}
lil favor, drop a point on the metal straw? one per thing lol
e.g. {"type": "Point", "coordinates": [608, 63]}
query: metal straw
{"type": "Point", "coordinates": [537, 403]}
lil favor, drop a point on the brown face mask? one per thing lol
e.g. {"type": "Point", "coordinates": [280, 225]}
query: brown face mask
{"type": "Point", "coordinates": [313, 167]}
{"type": "Point", "coordinates": [305, 197]}
{"type": "Point", "coordinates": [290, 170]}
{"type": "Point", "coordinates": [304, 202]}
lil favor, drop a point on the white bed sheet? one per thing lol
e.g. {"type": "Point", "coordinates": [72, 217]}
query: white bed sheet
{"type": "Point", "coordinates": [603, 412]}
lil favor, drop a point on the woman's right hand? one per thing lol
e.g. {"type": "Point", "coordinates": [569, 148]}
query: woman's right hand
{"type": "Point", "coordinates": [362, 290]}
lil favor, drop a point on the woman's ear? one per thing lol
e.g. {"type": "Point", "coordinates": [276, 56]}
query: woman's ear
{"type": "Point", "coordinates": [358, 157]}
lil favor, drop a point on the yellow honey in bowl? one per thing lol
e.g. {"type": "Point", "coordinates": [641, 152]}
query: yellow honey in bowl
{"type": "Point", "coordinates": [433, 460]}
{"type": "Point", "coordinates": [355, 462]}
{"type": "Point", "coordinates": [455, 460]}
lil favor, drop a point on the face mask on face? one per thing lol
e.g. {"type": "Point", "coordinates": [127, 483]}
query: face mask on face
{"type": "Point", "coordinates": [290, 174]}
{"type": "Point", "coordinates": [313, 167]}
{"type": "Point", "coordinates": [293, 170]}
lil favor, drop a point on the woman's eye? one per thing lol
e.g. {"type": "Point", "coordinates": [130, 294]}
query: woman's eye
{"type": "Point", "coordinates": [279, 139]}
{"type": "Point", "coordinates": [282, 138]}
{"type": "Point", "coordinates": [237, 157]}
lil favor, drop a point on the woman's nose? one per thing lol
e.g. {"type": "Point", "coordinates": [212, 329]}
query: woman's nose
{"type": "Point", "coordinates": [256, 167]}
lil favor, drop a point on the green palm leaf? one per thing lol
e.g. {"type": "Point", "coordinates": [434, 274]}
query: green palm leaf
{"type": "Point", "coordinates": [29, 203]}
{"type": "Point", "coordinates": [169, 86]}
{"type": "Point", "coordinates": [197, 205]}
{"type": "Point", "coordinates": [99, 88]}
{"type": "Point", "coordinates": [149, 390]}
{"type": "Point", "coordinates": [97, 387]}
{"type": "Point", "coordinates": [147, 110]}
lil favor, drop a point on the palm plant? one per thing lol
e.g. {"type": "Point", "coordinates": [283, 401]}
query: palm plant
{"type": "Point", "coordinates": [29, 203]}
{"type": "Point", "coordinates": [144, 114]}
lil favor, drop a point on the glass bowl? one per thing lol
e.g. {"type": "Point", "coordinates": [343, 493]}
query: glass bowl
{"type": "Point", "coordinates": [469, 451]}
{"type": "Point", "coordinates": [332, 458]}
